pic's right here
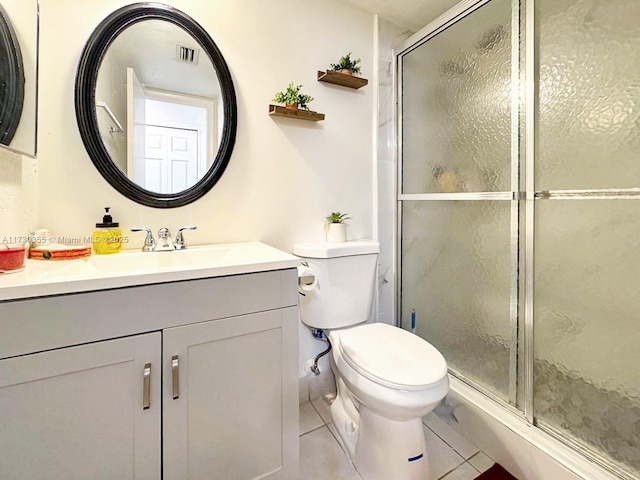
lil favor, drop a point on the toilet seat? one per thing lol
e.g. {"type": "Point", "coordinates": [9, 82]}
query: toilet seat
{"type": "Point", "coordinates": [391, 356]}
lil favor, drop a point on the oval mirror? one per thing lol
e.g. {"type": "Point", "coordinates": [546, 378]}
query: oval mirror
{"type": "Point", "coordinates": [11, 80]}
{"type": "Point", "coordinates": [155, 105]}
{"type": "Point", "coordinates": [18, 72]}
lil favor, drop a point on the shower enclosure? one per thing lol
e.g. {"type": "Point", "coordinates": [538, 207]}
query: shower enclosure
{"type": "Point", "coordinates": [519, 211]}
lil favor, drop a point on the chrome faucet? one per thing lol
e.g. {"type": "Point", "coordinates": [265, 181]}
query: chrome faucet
{"type": "Point", "coordinates": [179, 241]}
{"type": "Point", "coordinates": [165, 244]}
{"type": "Point", "coordinates": [149, 241]}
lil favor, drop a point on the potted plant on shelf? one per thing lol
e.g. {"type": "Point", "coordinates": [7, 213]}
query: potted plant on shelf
{"type": "Point", "coordinates": [346, 65]}
{"type": "Point", "coordinates": [335, 227]}
{"type": "Point", "coordinates": [293, 98]}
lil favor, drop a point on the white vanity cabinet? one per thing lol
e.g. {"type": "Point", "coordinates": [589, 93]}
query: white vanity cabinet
{"type": "Point", "coordinates": [185, 380]}
{"type": "Point", "coordinates": [77, 413]}
{"type": "Point", "coordinates": [224, 413]}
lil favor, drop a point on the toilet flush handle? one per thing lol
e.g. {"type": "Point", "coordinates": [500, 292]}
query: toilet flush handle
{"type": "Point", "coordinates": [306, 279]}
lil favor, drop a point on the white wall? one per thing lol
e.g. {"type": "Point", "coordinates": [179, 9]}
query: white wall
{"type": "Point", "coordinates": [18, 190]}
{"type": "Point", "coordinates": [284, 176]}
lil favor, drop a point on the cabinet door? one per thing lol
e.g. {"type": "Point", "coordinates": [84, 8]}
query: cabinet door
{"type": "Point", "coordinates": [234, 412]}
{"type": "Point", "coordinates": [77, 413]}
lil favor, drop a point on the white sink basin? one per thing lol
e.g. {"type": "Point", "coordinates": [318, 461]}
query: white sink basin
{"type": "Point", "coordinates": [128, 268]}
{"type": "Point", "coordinates": [133, 262]}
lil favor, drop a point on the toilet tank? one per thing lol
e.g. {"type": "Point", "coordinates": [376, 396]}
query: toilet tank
{"type": "Point", "coordinates": [346, 282]}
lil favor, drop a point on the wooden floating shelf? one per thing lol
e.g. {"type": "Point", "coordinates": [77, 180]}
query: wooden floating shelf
{"type": "Point", "coordinates": [301, 114]}
{"type": "Point", "coordinates": [343, 79]}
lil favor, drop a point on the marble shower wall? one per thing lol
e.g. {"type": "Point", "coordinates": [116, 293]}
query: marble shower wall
{"type": "Point", "coordinates": [389, 37]}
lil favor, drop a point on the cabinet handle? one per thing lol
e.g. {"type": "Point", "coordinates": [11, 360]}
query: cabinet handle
{"type": "Point", "coordinates": [174, 377]}
{"type": "Point", "coordinates": [146, 387]}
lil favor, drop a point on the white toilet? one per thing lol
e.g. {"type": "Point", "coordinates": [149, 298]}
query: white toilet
{"type": "Point", "coordinates": [387, 378]}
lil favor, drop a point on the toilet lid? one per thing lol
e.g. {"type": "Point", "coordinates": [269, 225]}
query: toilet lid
{"type": "Point", "coordinates": [392, 356]}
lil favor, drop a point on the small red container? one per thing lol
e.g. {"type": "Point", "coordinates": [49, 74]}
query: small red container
{"type": "Point", "coordinates": [12, 257]}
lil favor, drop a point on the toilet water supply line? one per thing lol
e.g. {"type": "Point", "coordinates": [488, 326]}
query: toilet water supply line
{"type": "Point", "coordinates": [319, 334]}
{"type": "Point", "coordinates": [307, 281]}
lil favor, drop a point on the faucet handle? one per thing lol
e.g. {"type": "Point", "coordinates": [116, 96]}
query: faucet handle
{"type": "Point", "coordinates": [179, 242]}
{"type": "Point", "coordinates": [149, 241]}
{"type": "Point", "coordinates": [164, 233]}
{"type": "Point", "coordinates": [165, 244]}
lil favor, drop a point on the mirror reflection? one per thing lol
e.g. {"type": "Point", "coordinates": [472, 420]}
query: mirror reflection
{"type": "Point", "coordinates": [158, 106]}
{"type": "Point", "coordinates": [18, 58]}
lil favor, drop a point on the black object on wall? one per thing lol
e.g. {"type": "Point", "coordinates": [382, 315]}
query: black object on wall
{"type": "Point", "coordinates": [11, 80]}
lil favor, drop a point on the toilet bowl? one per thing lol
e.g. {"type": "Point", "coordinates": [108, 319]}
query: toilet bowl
{"type": "Point", "coordinates": [387, 379]}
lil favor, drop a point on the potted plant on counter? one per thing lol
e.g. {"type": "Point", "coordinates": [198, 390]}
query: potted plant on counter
{"type": "Point", "coordinates": [346, 65]}
{"type": "Point", "coordinates": [335, 227]}
{"type": "Point", "coordinates": [293, 98]}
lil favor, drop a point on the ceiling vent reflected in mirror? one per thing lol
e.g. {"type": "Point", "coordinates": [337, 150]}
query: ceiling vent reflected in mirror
{"type": "Point", "coordinates": [187, 54]}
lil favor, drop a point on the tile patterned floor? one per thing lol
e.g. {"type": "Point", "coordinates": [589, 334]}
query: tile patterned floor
{"type": "Point", "coordinates": [322, 458]}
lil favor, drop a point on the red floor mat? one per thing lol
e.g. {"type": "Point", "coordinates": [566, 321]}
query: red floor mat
{"type": "Point", "coordinates": [496, 473]}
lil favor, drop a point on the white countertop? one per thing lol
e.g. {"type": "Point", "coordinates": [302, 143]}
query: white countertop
{"type": "Point", "coordinates": [130, 268]}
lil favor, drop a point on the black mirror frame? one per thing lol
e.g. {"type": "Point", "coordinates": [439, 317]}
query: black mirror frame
{"type": "Point", "coordinates": [86, 79]}
{"type": "Point", "coordinates": [13, 84]}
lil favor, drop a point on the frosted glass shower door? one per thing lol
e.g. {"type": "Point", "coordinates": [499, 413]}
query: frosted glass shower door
{"type": "Point", "coordinates": [587, 227]}
{"type": "Point", "coordinates": [587, 331]}
{"type": "Point", "coordinates": [519, 211]}
{"type": "Point", "coordinates": [456, 276]}
{"type": "Point", "coordinates": [459, 210]}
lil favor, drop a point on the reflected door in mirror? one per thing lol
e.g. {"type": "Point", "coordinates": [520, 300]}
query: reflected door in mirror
{"type": "Point", "coordinates": [168, 89]}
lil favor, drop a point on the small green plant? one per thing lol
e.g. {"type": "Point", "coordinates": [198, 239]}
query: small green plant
{"type": "Point", "coordinates": [292, 95]}
{"type": "Point", "coordinates": [336, 217]}
{"type": "Point", "coordinates": [346, 63]}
